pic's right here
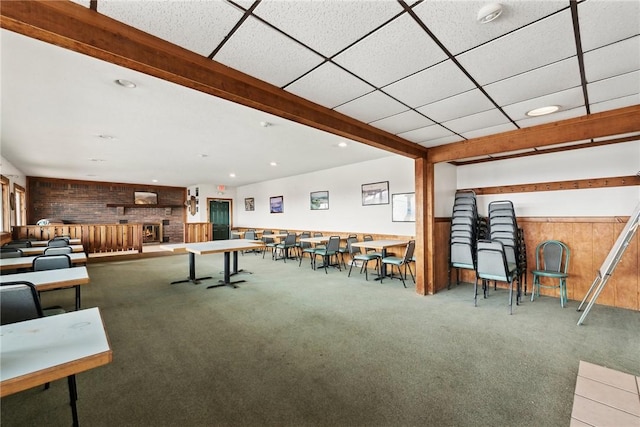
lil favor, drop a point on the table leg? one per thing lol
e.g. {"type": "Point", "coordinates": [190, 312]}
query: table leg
{"type": "Point", "coordinates": [383, 267]}
{"type": "Point", "coordinates": [227, 271]}
{"type": "Point", "coordinates": [192, 272]}
{"type": "Point", "coordinates": [73, 397]}
{"type": "Point", "coordinates": [77, 297]}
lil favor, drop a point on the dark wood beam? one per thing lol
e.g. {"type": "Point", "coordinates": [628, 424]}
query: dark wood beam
{"type": "Point", "coordinates": [83, 30]}
{"type": "Point", "coordinates": [608, 123]}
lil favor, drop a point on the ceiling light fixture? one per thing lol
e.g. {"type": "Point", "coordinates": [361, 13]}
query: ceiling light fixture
{"type": "Point", "coordinates": [265, 124]}
{"type": "Point", "coordinates": [543, 110]}
{"type": "Point", "coordinates": [203, 155]}
{"type": "Point", "coordinates": [126, 83]}
{"type": "Point", "coordinates": [154, 180]}
{"type": "Point", "coordinates": [105, 136]}
{"type": "Point", "coordinates": [489, 12]}
{"type": "Point", "coordinates": [273, 164]}
{"type": "Point", "coordinates": [232, 175]}
{"type": "Point", "coordinates": [342, 144]}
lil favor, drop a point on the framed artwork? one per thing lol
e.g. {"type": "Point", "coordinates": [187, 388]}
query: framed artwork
{"type": "Point", "coordinates": [276, 204]}
{"type": "Point", "coordinates": [319, 200]}
{"type": "Point", "coordinates": [376, 193]}
{"type": "Point", "coordinates": [249, 204]}
{"type": "Point", "coordinates": [403, 207]}
{"type": "Point", "coordinates": [145, 198]}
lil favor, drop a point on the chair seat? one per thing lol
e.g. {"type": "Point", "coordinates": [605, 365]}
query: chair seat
{"type": "Point", "coordinates": [463, 265]}
{"type": "Point", "coordinates": [552, 274]}
{"type": "Point", "coordinates": [393, 260]}
{"type": "Point", "coordinates": [365, 257]}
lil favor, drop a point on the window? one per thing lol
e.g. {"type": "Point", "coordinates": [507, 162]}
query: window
{"type": "Point", "coordinates": [21, 206]}
{"type": "Point", "coordinates": [4, 205]}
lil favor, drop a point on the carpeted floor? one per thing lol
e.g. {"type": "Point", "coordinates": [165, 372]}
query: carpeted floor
{"type": "Point", "coordinates": [296, 347]}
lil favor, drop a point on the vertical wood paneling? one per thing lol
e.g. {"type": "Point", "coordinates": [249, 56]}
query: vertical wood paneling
{"type": "Point", "coordinates": [581, 268]}
{"type": "Point", "coordinates": [603, 238]}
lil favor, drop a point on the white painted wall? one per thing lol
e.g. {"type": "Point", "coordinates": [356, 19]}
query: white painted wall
{"type": "Point", "coordinates": [345, 212]}
{"type": "Point", "coordinates": [597, 162]}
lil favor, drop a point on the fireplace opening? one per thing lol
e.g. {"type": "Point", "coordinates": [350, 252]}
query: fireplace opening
{"type": "Point", "coordinates": [151, 233]}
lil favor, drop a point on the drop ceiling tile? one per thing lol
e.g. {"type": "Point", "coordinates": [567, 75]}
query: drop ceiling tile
{"type": "Point", "coordinates": [476, 121]}
{"type": "Point", "coordinates": [625, 101]}
{"type": "Point", "coordinates": [327, 26]}
{"type": "Point", "coordinates": [491, 130]}
{"type": "Point", "coordinates": [455, 23]}
{"type": "Point", "coordinates": [604, 22]}
{"type": "Point", "coordinates": [372, 106]}
{"type": "Point", "coordinates": [551, 78]}
{"type": "Point", "coordinates": [536, 45]}
{"type": "Point", "coordinates": [441, 141]}
{"type": "Point", "coordinates": [260, 51]}
{"type": "Point", "coordinates": [433, 84]}
{"type": "Point", "coordinates": [329, 86]}
{"type": "Point", "coordinates": [396, 50]}
{"type": "Point", "coordinates": [196, 26]}
{"type": "Point", "coordinates": [461, 105]}
{"type": "Point", "coordinates": [427, 133]}
{"type": "Point", "coordinates": [403, 122]}
{"type": "Point", "coordinates": [561, 115]}
{"type": "Point", "coordinates": [612, 60]}
{"type": "Point", "coordinates": [566, 99]}
{"type": "Point", "coordinates": [615, 87]}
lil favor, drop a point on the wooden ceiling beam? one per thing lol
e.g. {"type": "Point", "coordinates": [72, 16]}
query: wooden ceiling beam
{"type": "Point", "coordinates": [83, 30]}
{"type": "Point", "coordinates": [608, 123]}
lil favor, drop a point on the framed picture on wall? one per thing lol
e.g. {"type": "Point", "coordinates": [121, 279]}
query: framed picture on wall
{"type": "Point", "coordinates": [376, 193]}
{"type": "Point", "coordinates": [403, 207]}
{"type": "Point", "coordinates": [319, 200]}
{"type": "Point", "coordinates": [276, 204]}
{"type": "Point", "coordinates": [249, 204]}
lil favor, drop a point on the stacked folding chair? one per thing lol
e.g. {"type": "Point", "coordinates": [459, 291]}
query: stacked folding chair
{"type": "Point", "coordinates": [503, 226]}
{"type": "Point", "coordinates": [462, 242]}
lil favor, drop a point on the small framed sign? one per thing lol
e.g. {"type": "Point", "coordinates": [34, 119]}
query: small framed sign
{"type": "Point", "coordinates": [249, 204]}
{"type": "Point", "coordinates": [276, 204]}
{"type": "Point", "coordinates": [376, 193]}
{"type": "Point", "coordinates": [319, 200]}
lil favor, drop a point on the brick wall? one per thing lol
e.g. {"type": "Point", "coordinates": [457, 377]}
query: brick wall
{"type": "Point", "coordinates": [85, 202]}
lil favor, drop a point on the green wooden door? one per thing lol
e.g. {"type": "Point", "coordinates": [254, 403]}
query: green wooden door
{"type": "Point", "coordinates": [219, 216]}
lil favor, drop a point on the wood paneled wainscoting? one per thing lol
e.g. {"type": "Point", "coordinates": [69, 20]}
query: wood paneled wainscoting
{"type": "Point", "coordinates": [195, 232]}
{"type": "Point", "coordinates": [590, 239]}
{"type": "Point", "coordinates": [95, 238]}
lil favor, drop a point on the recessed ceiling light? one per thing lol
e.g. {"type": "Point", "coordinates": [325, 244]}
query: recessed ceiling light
{"type": "Point", "coordinates": [105, 136]}
{"type": "Point", "coordinates": [126, 83]}
{"type": "Point", "coordinates": [489, 12]}
{"type": "Point", "coordinates": [202, 155]}
{"type": "Point", "coordinates": [273, 164]}
{"type": "Point", "coordinates": [342, 144]}
{"type": "Point", "coordinates": [154, 180]}
{"type": "Point", "coordinates": [265, 124]}
{"type": "Point", "coordinates": [96, 160]}
{"type": "Point", "coordinates": [543, 110]}
{"type": "Point", "coordinates": [232, 175]}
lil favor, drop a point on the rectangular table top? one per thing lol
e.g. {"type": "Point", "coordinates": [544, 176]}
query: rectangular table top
{"type": "Point", "coordinates": [42, 350]}
{"type": "Point", "coordinates": [39, 250]}
{"type": "Point", "coordinates": [214, 246]}
{"type": "Point", "coordinates": [45, 242]}
{"type": "Point", "coordinates": [51, 279]}
{"type": "Point", "coordinates": [27, 261]}
{"type": "Point", "coordinates": [380, 244]}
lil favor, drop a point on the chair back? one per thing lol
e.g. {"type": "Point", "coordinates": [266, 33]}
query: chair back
{"type": "Point", "coordinates": [552, 255]}
{"type": "Point", "coordinates": [353, 250]}
{"type": "Point", "coordinates": [491, 261]}
{"type": "Point", "coordinates": [266, 239]}
{"type": "Point", "coordinates": [18, 302]}
{"type": "Point", "coordinates": [53, 250]}
{"type": "Point", "coordinates": [18, 244]}
{"type": "Point", "coordinates": [283, 232]}
{"type": "Point", "coordinates": [462, 254]}
{"type": "Point", "coordinates": [290, 240]}
{"type": "Point", "coordinates": [10, 252]}
{"type": "Point", "coordinates": [408, 252]}
{"type": "Point", "coordinates": [250, 235]}
{"type": "Point", "coordinates": [334, 244]}
{"type": "Point", "coordinates": [51, 262]}
{"type": "Point", "coordinates": [304, 235]}
{"type": "Point", "coordinates": [317, 234]}
{"type": "Point", "coordinates": [57, 242]}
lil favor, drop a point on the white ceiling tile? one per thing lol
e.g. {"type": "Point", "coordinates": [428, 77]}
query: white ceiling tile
{"type": "Point", "coordinates": [611, 60]}
{"type": "Point", "coordinates": [491, 130]}
{"type": "Point", "coordinates": [433, 84]}
{"type": "Point", "coordinates": [615, 87]}
{"type": "Point", "coordinates": [625, 101]}
{"type": "Point", "coordinates": [515, 53]}
{"type": "Point", "coordinates": [426, 133]}
{"type": "Point", "coordinates": [403, 122]}
{"type": "Point", "coordinates": [85, 3]}
{"type": "Point", "coordinates": [329, 86]}
{"type": "Point", "coordinates": [566, 99]}
{"type": "Point", "coordinates": [264, 53]}
{"type": "Point", "coordinates": [441, 141]}
{"type": "Point", "coordinates": [622, 135]}
{"type": "Point", "coordinates": [327, 26]}
{"type": "Point", "coordinates": [604, 22]}
{"type": "Point", "coordinates": [464, 104]}
{"type": "Point", "coordinates": [197, 26]}
{"type": "Point", "coordinates": [372, 106]}
{"type": "Point", "coordinates": [560, 115]}
{"type": "Point", "coordinates": [455, 23]}
{"type": "Point", "coordinates": [551, 78]}
{"type": "Point", "coordinates": [396, 50]}
{"type": "Point", "coordinates": [476, 121]}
